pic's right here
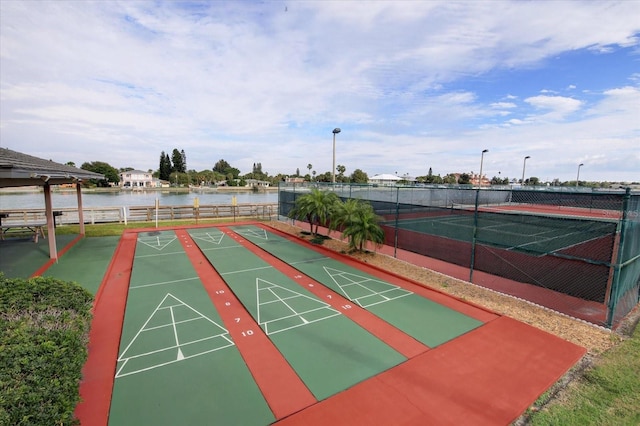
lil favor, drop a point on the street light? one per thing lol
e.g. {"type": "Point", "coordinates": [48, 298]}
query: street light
{"type": "Point", "coordinates": [481, 161]}
{"type": "Point", "coordinates": [578, 177]}
{"type": "Point", "coordinates": [333, 170]}
{"type": "Point", "coordinates": [523, 167]}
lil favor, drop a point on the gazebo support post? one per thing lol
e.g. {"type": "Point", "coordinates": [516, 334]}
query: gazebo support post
{"type": "Point", "coordinates": [80, 213]}
{"type": "Point", "coordinates": [51, 230]}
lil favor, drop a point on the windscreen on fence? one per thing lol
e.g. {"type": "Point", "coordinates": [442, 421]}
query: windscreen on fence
{"type": "Point", "coordinates": [625, 293]}
{"type": "Point", "coordinates": [570, 250]}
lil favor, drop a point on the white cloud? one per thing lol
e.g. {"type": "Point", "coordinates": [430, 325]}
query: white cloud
{"type": "Point", "coordinates": [555, 107]}
{"type": "Point", "coordinates": [249, 82]}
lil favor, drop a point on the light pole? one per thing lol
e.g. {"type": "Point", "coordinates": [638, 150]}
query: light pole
{"type": "Point", "coordinates": [333, 169]}
{"type": "Point", "coordinates": [578, 177]}
{"type": "Point", "coordinates": [481, 161]}
{"type": "Point", "coordinates": [524, 165]}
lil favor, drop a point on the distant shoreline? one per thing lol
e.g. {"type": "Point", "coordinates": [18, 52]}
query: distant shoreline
{"type": "Point", "coordinates": [35, 189]}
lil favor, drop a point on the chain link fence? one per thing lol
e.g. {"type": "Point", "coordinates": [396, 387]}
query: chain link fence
{"type": "Point", "coordinates": [573, 250]}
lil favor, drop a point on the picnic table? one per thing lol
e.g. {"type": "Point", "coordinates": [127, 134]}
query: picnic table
{"type": "Point", "coordinates": [35, 229]}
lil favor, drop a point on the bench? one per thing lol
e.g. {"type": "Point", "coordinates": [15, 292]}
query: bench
{"type": "Point", "coordinates": [35, 229]}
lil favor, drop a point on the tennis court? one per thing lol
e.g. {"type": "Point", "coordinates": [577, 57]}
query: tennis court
{"type": "Point", "coordinates": [498, 227]}
{"type": "Point", "coordinates": [242, 324]}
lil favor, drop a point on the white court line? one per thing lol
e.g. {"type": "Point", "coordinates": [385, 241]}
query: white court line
{"type": "Point", "coordinates": [165, 282]}
{"type": "Point", "coordinates": [317, 259]}
{"type": "Point", "coordinates": [157, 327]}
{"type": "Point", "coordinates": [158, 254]}
{"type": "Point", "coordinates": [296, 314]}
{"type": "Point", "coordinates": [173, 323]}
{"type": "Point", "coordinates": [293, 294]}
{"type": "Point", "coordinates": [382, 301]}
{"type": "Point", "coordinates": [165, 242]}
{"type": "Point", "coordinates": [270, 333]}
{"type": "Point", "coordinates": [348, 276]}
{"type": "Point", "coordinates": [142, 328]}
{"type": "Point", "coordinates": [156, 310]}
{"type": "Point", "coordinates": [141, 370]}
{"type": "Point", "coordinates": [221, 248]}
{"type": "Point", "coordinates": [247, 270]}
{"type": "Point", "coordinates": [252, 232]}
{"type": "Point", "coordinates": [208, 237]}
{"type": "Point", "coordinates": [285, 303]}
{"type": "Point", "coordinates": [286, 298]}
{"type": "Point", "coordinates": [547, 240]}
{"type": "Point", "coordinates": [167, 348]}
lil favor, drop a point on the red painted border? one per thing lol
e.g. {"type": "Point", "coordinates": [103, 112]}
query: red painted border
{"type": "Point", "coordinates": [50, 262]}
{"type": "Point", "coordinates": [486, 377]}
{"type": "Point", "coordinates": [280, 385]}
{"type": "Point", "coordinates": [104, 338]}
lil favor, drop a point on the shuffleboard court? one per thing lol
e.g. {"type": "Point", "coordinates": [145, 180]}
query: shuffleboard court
{"type": "Point", "coordinates": [177, 364]}
{"type": "Point", "coordinates": [329, 352]}
{"type": "Point", "coordinates": [192, 372]}
{"type": "Point", "coordinates": [427, 321]}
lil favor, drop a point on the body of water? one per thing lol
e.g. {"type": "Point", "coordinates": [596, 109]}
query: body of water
{"type": "Point", "coordinates": [35, 200]}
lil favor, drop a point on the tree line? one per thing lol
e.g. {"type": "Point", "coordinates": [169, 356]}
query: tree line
{"type": "Point", "coordinates": [173, 169]}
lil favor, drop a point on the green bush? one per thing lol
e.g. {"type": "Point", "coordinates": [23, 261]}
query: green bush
{"type": "Point", "coordinates": [44, 327]}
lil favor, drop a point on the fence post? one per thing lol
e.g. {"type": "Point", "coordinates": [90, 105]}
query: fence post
{"type": "Point", "coordinates": [395, 237]}
{"type": "Point", "coordinates": [475, 233]}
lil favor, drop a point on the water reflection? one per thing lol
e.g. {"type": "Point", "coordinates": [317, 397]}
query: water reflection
{"type": "Point", "coordinates": [35, 200]}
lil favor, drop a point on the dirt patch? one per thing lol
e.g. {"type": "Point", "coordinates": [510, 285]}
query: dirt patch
{"type": "Point", "coordinates": [595, 339]}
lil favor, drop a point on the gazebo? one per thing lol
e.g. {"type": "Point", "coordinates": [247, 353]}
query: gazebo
{"type": "Point", "coordinates": [17, 169]}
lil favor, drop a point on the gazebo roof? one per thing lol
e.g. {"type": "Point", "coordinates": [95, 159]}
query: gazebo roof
{"type": "Point", "coordinates": [18, 169]}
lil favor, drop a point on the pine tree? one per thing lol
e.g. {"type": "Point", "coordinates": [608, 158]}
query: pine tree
{"type": "Point", "coordinates": [178, 165]}
{"type": "Point", "coordinates": [164, 171]}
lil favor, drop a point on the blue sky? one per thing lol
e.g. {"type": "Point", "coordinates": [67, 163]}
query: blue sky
{"type": "Point", "coordinates": [412, 84]}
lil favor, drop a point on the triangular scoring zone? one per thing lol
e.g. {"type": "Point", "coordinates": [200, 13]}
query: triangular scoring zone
{"type": "Point", "coordinates": [365, 291]}
{"type": "Point", "coordinates": [158, 242]}
{"type": "Point", "coordinates": [158, 342]}
{"type": "Point", "coordinates": [281, 309]}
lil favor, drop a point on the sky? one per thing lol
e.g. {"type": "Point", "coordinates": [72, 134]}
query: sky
{"type": "Point", "coordinates": [413, 85]}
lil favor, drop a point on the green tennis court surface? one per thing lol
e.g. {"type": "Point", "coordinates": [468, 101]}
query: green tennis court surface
{"type": "Point", "coordinates": [86, 262]}
{"type": "Point", "coordinates": [526, 233]}
{"type": "Point", "coordinates": [423, 319]}
{"type": "Point", "coordinates": [177, 363]}
{"type": "Point", "coordinates": [21, 257]}
{"type": "Point", "coordinates": [328, 351]}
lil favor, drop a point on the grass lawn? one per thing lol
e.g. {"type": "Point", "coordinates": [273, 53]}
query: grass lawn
{"type": "Point", "coordinates": [111, 229]}
{"type": "Point", "coordinates": [607, 394]}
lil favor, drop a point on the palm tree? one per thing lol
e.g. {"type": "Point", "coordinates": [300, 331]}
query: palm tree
{"type": "Point", "coordinates": [316, 207]}
{"type": "Point", "coordinates": [345, 213]}
{"type": "Point", "coordinates": [360, 224]}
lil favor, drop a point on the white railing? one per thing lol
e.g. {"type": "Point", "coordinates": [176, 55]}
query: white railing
{"type": "Point", "coordinates": [94, 215]}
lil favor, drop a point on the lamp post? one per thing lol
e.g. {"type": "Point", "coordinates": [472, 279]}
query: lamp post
{"type": "Point", "coordinates": [524, 165]}
{"type": "Point", "coordinates": [333, 169]}
{"type": "Point", "coordinates": [481, 161]}
{"type": "Point", "coordinates": [578, 177]}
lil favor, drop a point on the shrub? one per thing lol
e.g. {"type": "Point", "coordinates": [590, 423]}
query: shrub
{"type": "Point", "coordinates": [44, 326]}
